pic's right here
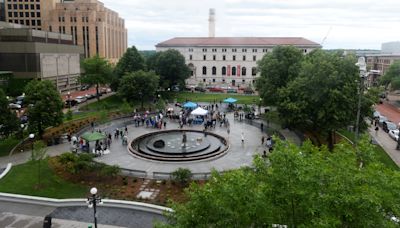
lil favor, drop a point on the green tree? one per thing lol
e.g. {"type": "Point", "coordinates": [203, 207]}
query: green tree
{"type": "Point", "coordinates": [323, 98]}
{"type": "Point", "coordinates": [303, 186]}
{"type": "Point", "coordinates": [38, 153]}
{"type": "Point", "coordinates": [131, 61]}
{"type": "Point", "coordinates": [8, 119]}
{"type": "Point", "coordinates": [171, 67]}
{"type": "Point", "coordinates": [97, 71]}
{"type": "Point", "coordinates": [45, 106]}
{"type": "Point", "coordinates": [277, 70]}
{"type": "Point", "coordinates": [139, 85]}
{"type": "Point", "coordinates": [392, 76]}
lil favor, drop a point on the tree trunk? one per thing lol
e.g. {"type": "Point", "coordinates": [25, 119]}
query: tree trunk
{"type": "Point", "coordinates": [97, 92]}
{"type": "Point", "coordinates": [330, 140]}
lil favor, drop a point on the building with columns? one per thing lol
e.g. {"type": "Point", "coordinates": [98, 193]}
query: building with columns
{"type": "Point", "coordinates": [230, 61]}
{"type": "Point", "coordinates": [98, 29]}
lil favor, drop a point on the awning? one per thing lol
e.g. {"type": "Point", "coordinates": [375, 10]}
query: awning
{"type": "Point", "coordinates": [199, 112]}
{"type": "Point", "coordinates": [89, 136]}
{"type": "Point", "coordinates": [230, 100]}
{"type": "Point", "coordinates": [190, 105]}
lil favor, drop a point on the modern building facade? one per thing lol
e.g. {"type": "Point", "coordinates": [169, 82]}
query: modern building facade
{"type": "Point", "coordinates": [228, 61]}
{"type": "Point", "coordinates": [378, 65]}
{"type": "Point", "coordinates": [41, 55]}
{"type": "Point", "coordinates": [98, 29]}
{"type": "Point", "coordinates": [2, 11]}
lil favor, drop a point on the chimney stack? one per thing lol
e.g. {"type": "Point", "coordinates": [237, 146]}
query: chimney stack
{"type": "Point", "coordinates": [211, 23]}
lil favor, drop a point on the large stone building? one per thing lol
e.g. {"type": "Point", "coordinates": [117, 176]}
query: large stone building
{"type": "Point", "coordinates": [41, 55]}
{"type": "Point", "coordinates": [228, 60]}
{"type": "Point", "coordinates": [98, 29]}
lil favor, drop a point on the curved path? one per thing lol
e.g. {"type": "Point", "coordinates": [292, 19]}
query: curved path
{"type": "Point", "coordinates": [238, 155]}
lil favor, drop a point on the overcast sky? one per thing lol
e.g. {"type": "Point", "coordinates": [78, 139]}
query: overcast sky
{"type": "Point", "coordinates": [356, 24]}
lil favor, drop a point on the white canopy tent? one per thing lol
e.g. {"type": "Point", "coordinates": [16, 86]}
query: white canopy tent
{"type": "Point", "coordinates": [199, 112]}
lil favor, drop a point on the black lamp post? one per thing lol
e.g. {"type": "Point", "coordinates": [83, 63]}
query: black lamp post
{"type": "Point", "coordinates": [69, 100]}
{"type": "Point", "coordinates": [22, 130]}
{"type": "Point", "coordinates": [93, 201]}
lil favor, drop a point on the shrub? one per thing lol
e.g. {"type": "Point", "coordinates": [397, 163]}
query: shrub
{"type": "Point", "coordinates": [68, 115]}
{"type": "Point", "coordinates": [182, 176]}
{"type": "Point", "coordinates": [110, 171]}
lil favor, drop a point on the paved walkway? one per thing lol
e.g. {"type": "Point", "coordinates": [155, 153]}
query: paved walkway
{"type": "Point", "coordinates": [387, 143]}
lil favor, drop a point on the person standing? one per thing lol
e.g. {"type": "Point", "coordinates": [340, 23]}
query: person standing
{"type": "Point", "coordinates": [242, 137]}
{"type": "Point", "coordinates": [262, 140]}
{"type": "Point", "coordinates": [262, 126]}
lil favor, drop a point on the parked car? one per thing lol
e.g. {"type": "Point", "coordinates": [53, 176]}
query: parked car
{"type": "Point", "coordinates": [216, 90]}
{"type": "Point", "coordinates": [394, 134]}
{"type": "Point", "coordinates": [231, 90]}
{"type": "Point", "coordinates": [80, 99]}
{"type": "Point", "coordinates": [85, 87]}
{"type": "Point", "coordinates": [70, 103]}
{"type": "Point", "coordinates": [90, 96]}
{"type": "Point", "coordinates": [382, 119]}
{"type": "Point", "coordinates": [200, 89]}
{"type": "Point", "coordinates": [376, 114]}
{"type": "Point", "coordinates": [388, 126]}
{"type": "Point", "coordinates": [14, 106]}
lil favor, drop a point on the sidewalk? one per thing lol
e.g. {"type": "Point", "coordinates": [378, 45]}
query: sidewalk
{"type": "Point", "coordinates": [387, 143]}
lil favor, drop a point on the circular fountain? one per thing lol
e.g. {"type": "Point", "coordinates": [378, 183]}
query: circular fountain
{"type": "Point", "coordinates": [179, 146]}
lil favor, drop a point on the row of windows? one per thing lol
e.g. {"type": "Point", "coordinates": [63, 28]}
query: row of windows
{"type": "Point", "coordinates": [233, 71]}
{"type": "Point", "coordinates": [23, 6]}
{"type": "Point", "coordinates": [24, 1]}
{"type": "Point", "coordinates": [73, 19]}
{"type": "Point", "coordinates": [22, 14]}
{"type": "Point", "coordinates": [233, 81]}
{"type": "Point", "coordinates": [27, 22]}
{"type": "Point", "coordinates": [224, 50]}
{"type": "Point", "coordinates": [214, 57]}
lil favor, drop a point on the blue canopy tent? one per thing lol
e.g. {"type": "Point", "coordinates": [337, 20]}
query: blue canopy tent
{"type": "Point", "coordinates": [230, 100]}
{"type": "Point", "coordinates": [190, 105]}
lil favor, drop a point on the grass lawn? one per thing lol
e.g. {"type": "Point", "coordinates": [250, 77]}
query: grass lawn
{"type": "Point", "coordinates": [380, 153]}
{"type": "Point", "coordinates": [210, 97]}
{"type": "Point", "coordinates": [22, 179]}
{"type": "Point", "coordinates": [6, 145]}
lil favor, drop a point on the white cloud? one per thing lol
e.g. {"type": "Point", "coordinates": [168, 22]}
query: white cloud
{"type": "Point", "coordinates": [353, 23]}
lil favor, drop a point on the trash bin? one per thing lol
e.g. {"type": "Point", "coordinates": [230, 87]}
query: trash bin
{"type": "Point", "coordinates": [47, 222]}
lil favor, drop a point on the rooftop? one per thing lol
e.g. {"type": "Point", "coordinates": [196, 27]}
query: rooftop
{"type": "Point", "coordinates": [237, 41]}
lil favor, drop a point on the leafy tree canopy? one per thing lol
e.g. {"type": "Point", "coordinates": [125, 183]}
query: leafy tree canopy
{"type": "Point", "coordinates": [8, 119]}
{"type": "Point", "coordinates": [277, 69]}
{"type": "Point", "coordinates": [171, 67]}
{"type": "Point", "coordinates": [302, 186]}
{"type": "Point", "coordinates": [139, 85]}
{"type": "Point", "coordinates": [97, 71]}
{"type": "Point", "coordinates": [131, 61]}
{"type": "Point", "coordinates": [45, 107]}
{"type": "Point", "coordinates": [392, 76]}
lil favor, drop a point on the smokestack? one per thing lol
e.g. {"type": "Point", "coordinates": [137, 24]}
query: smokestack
{"type": "Point", "coordinates": [211, 23]}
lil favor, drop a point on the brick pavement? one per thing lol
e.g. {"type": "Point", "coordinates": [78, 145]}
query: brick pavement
{"type": "Point", "coordinates": [390, 111]}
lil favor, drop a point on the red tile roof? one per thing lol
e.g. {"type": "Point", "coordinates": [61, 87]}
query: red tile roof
{"type": "Point", "coordinates": [237, 41]}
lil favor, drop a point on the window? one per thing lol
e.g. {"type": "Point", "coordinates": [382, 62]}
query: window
{"type": "Point", "coordinates": [214, 70]}
{"type": "Point", "coordinates": [223, 49]}
{"type": "Point", "coordinates": [243, 81]}
{"type": "Point", "coordinates": [27, 22]}
{"type": "Point", "coordinates": [38, 6]}
{"type": "Point", "coordinates": [21, 14]}
{"type": "Point", "coordinates": [214, 57]}
{"type": "Point", "coordinates": [32, 7]}
{"type": "Point", "coordinates": [244, 50]}
{"type": "Point", "coordinates": [21, 7]}
{"type": "Point", "coordinates": [190, 57]}
{"type": "Point", "coordinates": [244, 71]}
{"type": "Point", "coordinates": [265, 50]}
{"type": "Point", "coordinates": [9, 6]}
{"type": "Point", "coordinates": [204, 80]}
{"type": "Point", "coordinates": [223, 70]}
{"type": "Point", "coordinates": [224, 57]}
{"type": "Point", "coordinates": [39, 23]}
{"type": "Point", "coordinates": [204, 70]}
{"type": "Point", "coordinates": [26, 6]}
{"type": "Point", "coordinates": [254, 58]}
{"type": "Point", "coordinates": [254, 50]}
{"type": "Point", "coordinates": [32, 14]}
{"type": "Point", "coordinates": [9, 14]}
{"type": "Point", "coordinates": [214, 50]}
{"type": "Point", "coordinates": [234, 50]}
{"type": "Point", "coordinates": [190, 49]}
{"type": "Point", "coordinates": [204, 57]}
{"type": "Point", "coordinates": [38, 14]}
{"type": "Point", "coordinates": [15, 6]}
{"type": "Point", "coordinates": [244, 58]}
{"type": "Point", "coordinates": [26, 14]}
{"type": "Point", "coordinates": [204, 49]}
{"type": "Point", "coordinates": [233, 71]}
{"type": "Point", "coordinates": [254, 71]}
{"type": "Point", "coordinates": [213, 79]}
{"type": "Point", "coordinates": [15, 14]}
{"type": "Point", "coordinates": [223, 80]}
{"type": "Point", "coordinates": [234, 58]}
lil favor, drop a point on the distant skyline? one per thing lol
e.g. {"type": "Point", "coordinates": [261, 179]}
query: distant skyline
{"type": "Point", "coordinates": [347, 24]}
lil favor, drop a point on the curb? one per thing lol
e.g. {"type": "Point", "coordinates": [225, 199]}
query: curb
{"type": "Point", "coordinates": [43, 201]}
{"type": "Point", "coordinates": [4, 173]}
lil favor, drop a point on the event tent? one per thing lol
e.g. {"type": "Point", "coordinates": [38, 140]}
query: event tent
{"type": "Point", "coordinates": [230, 100]}
{"type": "Point", "coordinates": [190, 105]}
{"type": "Point", "coordinates": [199, 112]}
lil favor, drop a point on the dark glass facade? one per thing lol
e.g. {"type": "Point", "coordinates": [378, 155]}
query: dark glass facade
{"type": "Point", "coordinates": [2, 11]}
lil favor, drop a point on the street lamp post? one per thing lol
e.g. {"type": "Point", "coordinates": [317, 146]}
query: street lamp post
{"type": "Point", "coordinates": [22, 130]}
{"type": "Point", "coordinates": [32, 137]}
{"type": "Point", "coordinates": [363, 73]}
{"type": "Point", "coordinates": [92, 202]}
{"type": "Point", "coordinates": [69, 100]}
{"type": "Point", "coordinates": [259, 106]}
